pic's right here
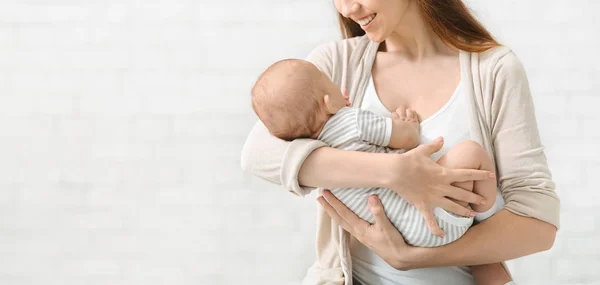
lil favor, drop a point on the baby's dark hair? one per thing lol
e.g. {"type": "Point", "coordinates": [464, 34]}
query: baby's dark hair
{"type": "Point", "coordinates": [287, 99]}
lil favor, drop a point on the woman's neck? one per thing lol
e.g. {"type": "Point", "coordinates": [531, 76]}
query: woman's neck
{"type": "Point", "coordinates": [413, 37]}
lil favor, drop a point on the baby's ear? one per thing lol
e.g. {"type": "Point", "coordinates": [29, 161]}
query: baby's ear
{"type": "Point", "coordinates": [331, 108]}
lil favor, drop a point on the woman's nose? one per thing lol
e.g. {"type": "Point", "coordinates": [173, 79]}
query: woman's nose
{"type": "Point", "coordinates": [349, 7]}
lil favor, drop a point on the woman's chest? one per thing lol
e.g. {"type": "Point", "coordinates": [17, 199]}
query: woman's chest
{"type": "Point", "coordinates": [450, 121]}
{"type": "Point", "coordinates": [425, 88]}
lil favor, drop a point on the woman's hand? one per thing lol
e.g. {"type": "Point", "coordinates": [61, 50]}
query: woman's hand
{"type": "Point", "coordinates": [381, 237]}
{"type": "Point", "coordinates": [427, 185]}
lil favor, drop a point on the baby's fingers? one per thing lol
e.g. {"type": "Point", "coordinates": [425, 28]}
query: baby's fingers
{"type": "Point", "coordinates": [346, 97]}
{"type": "Point", "coordinates": [345, 93]}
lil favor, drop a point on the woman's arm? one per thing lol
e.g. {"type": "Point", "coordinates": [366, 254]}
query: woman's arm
{"type": "Point", "coordinates": [491, 274]}
{"type": "Point", "coordinates": [275, 160]}
{"type": "Point", "coordinates": [502, 237]}
{"type": "Point", "coordinates": [523, 173]}
{"type": "Point", "coordinates": [413, 175]}
{"type": "Point", "coordinates": [529, 222]}
{"type": "Point", "coordinates": [304, 164]}
{"type": "Point", "coordinates": [343, 169]}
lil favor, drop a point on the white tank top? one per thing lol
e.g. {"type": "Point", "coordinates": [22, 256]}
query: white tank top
{"type": "Point", "coordinates": [451, 122]}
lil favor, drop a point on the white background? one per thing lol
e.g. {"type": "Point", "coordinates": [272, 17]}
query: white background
{"type": "Point", "coordinates": [122, 122]}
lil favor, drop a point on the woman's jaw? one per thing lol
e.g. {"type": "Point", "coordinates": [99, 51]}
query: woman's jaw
{"type": "Point", "coordinates": [401, 26]}
{"type": "Point", "coordinates": [381, 18]}
{"type": "Point", "coordinates": [372, 25]}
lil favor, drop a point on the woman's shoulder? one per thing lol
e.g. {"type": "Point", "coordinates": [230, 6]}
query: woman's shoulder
{"type": "Point", "coordinates": [331, 57]}
{"type": "Point", "coordinates": [338, 46]}
{"type": "Point", "coordinates": [325, 55]}
{"type": "Point", "coordinates": [500, 60]}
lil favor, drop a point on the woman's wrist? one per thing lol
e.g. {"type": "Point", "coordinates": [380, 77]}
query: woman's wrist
{"type": "Point", "coordinates": [390, 173]}
{"type": "Point", "coordinates": [414, 258]}
{"type": "Point", "coordinates": [377, 170]}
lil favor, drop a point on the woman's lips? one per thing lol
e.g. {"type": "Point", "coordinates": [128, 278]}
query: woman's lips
{"type": "Point", "coordinates": [366, 21]}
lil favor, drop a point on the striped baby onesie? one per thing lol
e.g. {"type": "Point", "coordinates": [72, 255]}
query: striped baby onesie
{"type": "Point", "coordinates": [361, 130]}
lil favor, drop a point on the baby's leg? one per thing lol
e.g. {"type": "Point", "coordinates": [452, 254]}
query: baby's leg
{"type": "Point", "coordinates": [471, 155]}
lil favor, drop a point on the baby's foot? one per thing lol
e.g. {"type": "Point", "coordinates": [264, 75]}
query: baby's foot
{"type": "Point", "coordinates": [405, 129]}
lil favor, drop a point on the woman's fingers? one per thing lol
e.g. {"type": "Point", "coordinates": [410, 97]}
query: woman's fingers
{"type": "Point", "coordinates": [357, 224]}
{"type": "Point", "coordinates": [462, 175]}
{"type": "Point", "coordinates": [432, 223]}
{"type": "Point", "coordinates": [334, 215]}
{"type": "Point", "coordinates": [379, 215]}
{"type": "Point", "coordinates": [432, 147]}
{"type": "Point", "coordinates": [460, 194]}
{"type": "Point", "coordinates": [456, 208]}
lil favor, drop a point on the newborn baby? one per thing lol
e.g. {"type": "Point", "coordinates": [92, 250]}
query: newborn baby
{"type": "Point", "coordinates": [294, 100]}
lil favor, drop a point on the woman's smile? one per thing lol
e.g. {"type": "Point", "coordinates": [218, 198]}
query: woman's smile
{"type": "Point", "coordinates": [365, 22]}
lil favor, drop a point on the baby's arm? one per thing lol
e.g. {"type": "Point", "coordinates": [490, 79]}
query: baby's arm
{"type": "Point", "coordinates": [405, 129]}
{"type": "Point", "coordinates": [399, 131]}
{"type": "Point", "coordinates": [372, 128]}
{"type": "Point", "coordinates": [353, 125]}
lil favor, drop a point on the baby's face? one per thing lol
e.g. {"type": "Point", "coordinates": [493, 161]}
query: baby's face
{"type": "Point", "coordinates": [334, 92]}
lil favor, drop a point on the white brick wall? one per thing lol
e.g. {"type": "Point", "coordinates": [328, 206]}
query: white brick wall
{"type": "Point", "coordinates": [121, 125]}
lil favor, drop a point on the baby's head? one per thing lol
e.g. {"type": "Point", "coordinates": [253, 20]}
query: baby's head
{"type": "Point", "coordinates": [294, 99]}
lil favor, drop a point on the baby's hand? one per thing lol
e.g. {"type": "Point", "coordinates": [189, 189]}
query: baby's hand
{"type": "Point", "coordinates": [405, 129]}
{"type": "Point", "coordinates": [346, 97]}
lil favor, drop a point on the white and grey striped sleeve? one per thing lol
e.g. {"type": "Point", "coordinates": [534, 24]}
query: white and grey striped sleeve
{"type": "Point", "coordinates": [341, 128]}
{"type": "Point", "coordinates": [373, 128]}
{"type": "Point", "coordinates": [353, 124]}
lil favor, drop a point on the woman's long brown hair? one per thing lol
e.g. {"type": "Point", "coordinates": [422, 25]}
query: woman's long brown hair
{"type": "Point", "coordinates": [451, 20]}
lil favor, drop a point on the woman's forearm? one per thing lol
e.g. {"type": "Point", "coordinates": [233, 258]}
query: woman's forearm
{"type": "Point", "coordinates": [502, 237]}
{"type": "Point", "coordinates": [333, 168]}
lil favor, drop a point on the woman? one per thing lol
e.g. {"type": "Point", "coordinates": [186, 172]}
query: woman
{"type": "Point", "coordinates": [431, 56]}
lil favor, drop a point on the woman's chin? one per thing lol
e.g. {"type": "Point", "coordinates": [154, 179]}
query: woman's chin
{"type": "Point", "coordinates": [376, 34]}
{"type": "Point", "coordinates": [376, 37]}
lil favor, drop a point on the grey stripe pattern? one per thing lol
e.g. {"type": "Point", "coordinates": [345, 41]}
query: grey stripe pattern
{"type": "Point", "coordinates": [360, 130]}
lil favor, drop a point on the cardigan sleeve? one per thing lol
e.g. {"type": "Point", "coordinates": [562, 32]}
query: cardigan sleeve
{"type": "Point", "coordinates": [523, 173]}
{"type": "Point", "coordinates": [278, 161]}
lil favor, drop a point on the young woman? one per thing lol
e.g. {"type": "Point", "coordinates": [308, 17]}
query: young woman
{"type": "Point", "coordinates": [431, 56]}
